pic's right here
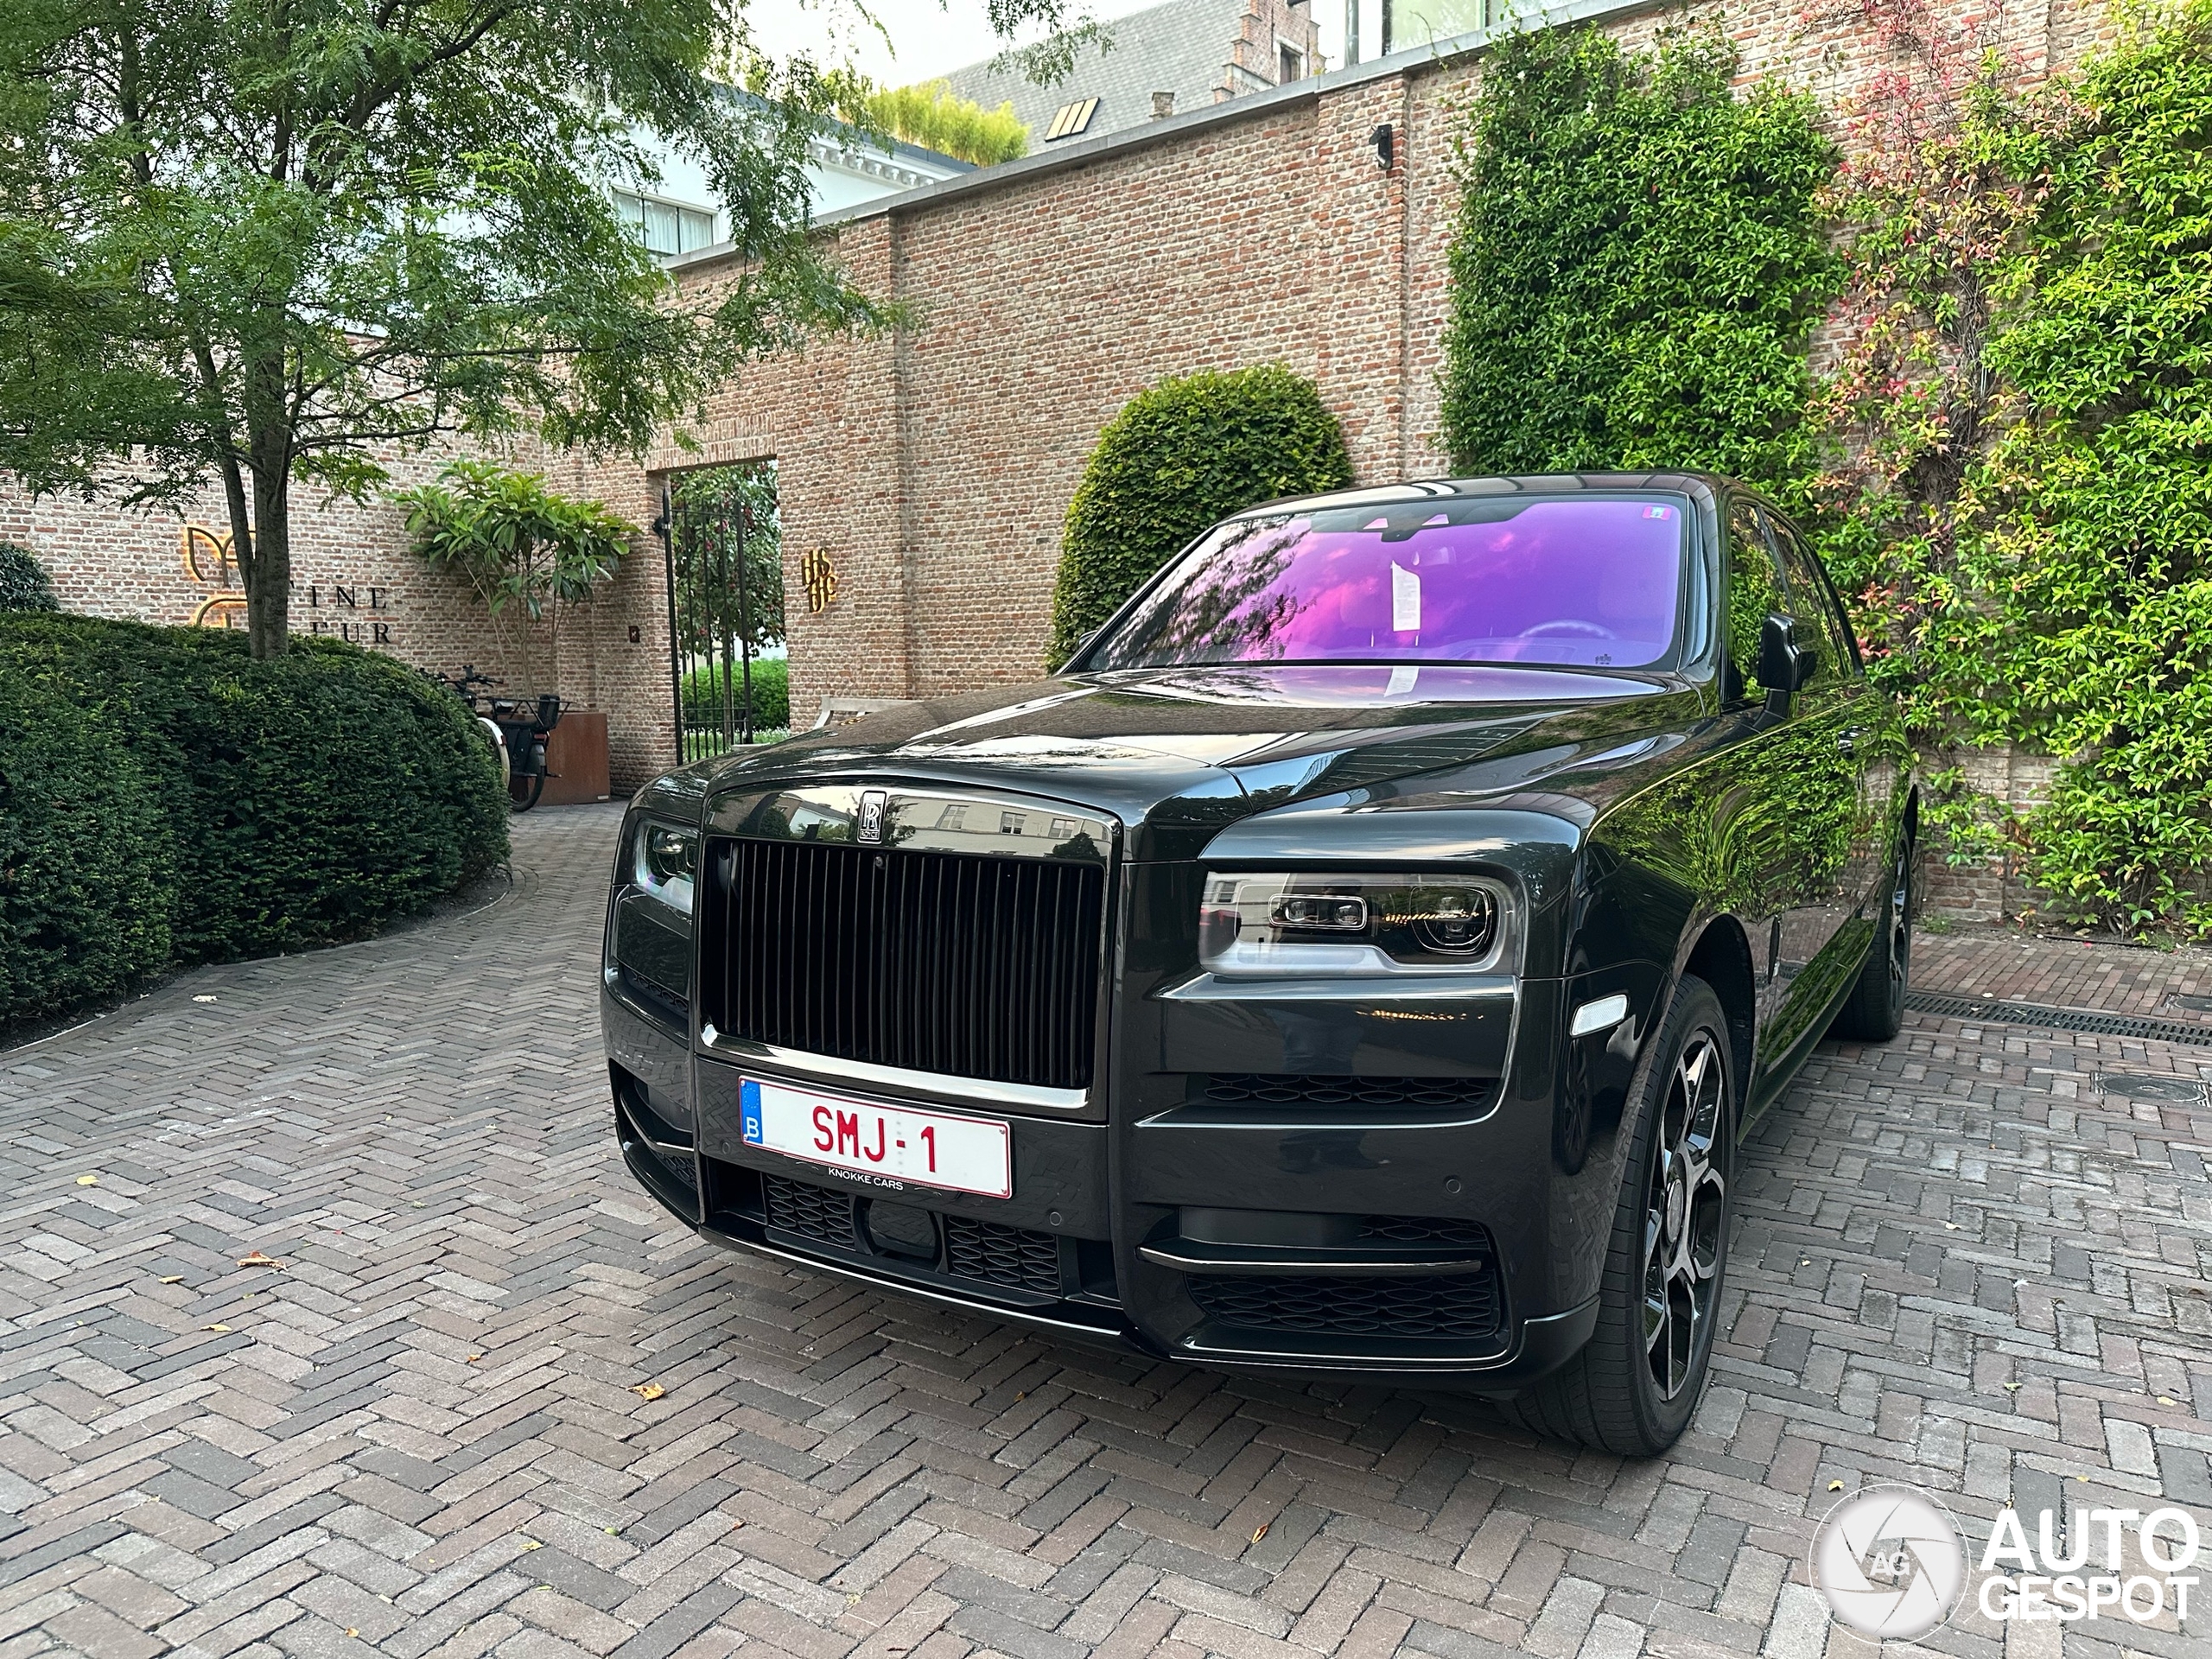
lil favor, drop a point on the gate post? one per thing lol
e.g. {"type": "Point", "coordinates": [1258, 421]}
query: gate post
{"type": "Point", "coordinates": [666, 526]}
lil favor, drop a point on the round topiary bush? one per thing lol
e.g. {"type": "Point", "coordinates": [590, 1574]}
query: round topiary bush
{"type": "Point", "coordinates": [304, 800]}
{"type": "Point", "coordinates": [86, 888]}
{"type": "Point", "coordinates": [1175, 459]}
{"type": "Point", "coordinates": [24, 583]}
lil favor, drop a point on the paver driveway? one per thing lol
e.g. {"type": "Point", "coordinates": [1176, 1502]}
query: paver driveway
{"type": "Point", "coordinates": [1961, 1262]}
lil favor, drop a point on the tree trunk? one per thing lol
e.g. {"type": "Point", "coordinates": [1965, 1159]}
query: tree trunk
{"type": "Point", "coordinates": [268, 582]}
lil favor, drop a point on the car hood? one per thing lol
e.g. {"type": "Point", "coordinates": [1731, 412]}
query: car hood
{"type": "Point", "coordinates": [1178, 754]}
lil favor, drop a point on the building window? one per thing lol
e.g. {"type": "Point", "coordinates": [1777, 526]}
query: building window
{"type": "Point", "coordinates": [664, 226]}
{"type": "Point", "coordinates": [1293, 65]}
{"type": "Point", "coordinates": [1071, 118]}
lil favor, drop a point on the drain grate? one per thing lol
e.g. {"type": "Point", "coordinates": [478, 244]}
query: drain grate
{"type": "Point", "coordinates": [2131, 1086]}
{"type": "Point", "coordinates": [2085, 1019]}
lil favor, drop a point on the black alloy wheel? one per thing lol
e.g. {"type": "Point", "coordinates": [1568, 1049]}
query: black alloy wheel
{"type": "Point", "coordinates": [1632, 1388]}
{"type": "Point", "coordinates": [1874, 1012]}
{"type": "Point", "coordinates": [1685, 1209]}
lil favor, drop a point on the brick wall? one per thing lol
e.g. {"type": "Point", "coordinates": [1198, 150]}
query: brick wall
{"type": "Point", "coordinates": [934, 467]}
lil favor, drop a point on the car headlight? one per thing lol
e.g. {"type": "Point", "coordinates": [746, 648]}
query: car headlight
{"type": "Point", "coordinates": [1355, 926]}
{"type": "Point", "coordinates": [661, 860]}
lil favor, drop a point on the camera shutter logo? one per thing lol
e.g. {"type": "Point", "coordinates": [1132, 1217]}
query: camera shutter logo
{"type": "Point", "coordinates": [1890, 1562]}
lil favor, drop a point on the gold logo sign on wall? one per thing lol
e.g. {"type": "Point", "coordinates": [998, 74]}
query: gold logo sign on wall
{"type": "Point", "coordinates": [208, 561]}
{"type": "Point", "coordinates": [820, 577]}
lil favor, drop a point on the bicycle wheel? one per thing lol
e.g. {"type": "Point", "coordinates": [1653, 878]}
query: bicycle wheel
{"type": "Point", "coordinates": [524, 788]}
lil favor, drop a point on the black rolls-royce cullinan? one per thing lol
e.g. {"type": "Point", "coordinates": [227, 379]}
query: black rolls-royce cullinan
{"type": "Point", "coordinates": [1361, 961]}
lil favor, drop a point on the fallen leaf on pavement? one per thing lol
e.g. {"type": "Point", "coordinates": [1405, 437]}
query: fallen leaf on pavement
{"type": "Point", "coordinates": [472, 1358]}
{"type": "Point", "coordinates": [1835, 1485]}
{"type": "Point", "coordinates": [172, 1278]}
{"type": "Point", "coordinates": [2011, 1388]}
{"type": "Point", "coordinates": [88, 1180]}
{"type": "Point", "coordinates": [214, 1327]}
{"type": "Point", "coordinates": [256, 1259]}
{"type": "Point", "coordinates": [1259, 1531]}
{"type": "Point", "coordinates": [532, 1543]}
{"type": "Point", "coordinates": [2163, 1401]}
{"type": "Point", "coordinates": [648, 1390]}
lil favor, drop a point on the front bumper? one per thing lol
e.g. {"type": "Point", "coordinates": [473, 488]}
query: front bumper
{"type": "Point", "coordinates": [1460, 1241]}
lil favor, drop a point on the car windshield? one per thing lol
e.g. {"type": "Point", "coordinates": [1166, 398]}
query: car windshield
{"type": "Point", "coordinates": [1582, 581]}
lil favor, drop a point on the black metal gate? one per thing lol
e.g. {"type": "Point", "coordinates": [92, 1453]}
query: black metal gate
{"type": "Point", "coordinates": [709, 660]}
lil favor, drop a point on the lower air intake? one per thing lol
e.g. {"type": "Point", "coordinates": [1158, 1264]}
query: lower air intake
{"type": "Point", "coordinates": [1294, 1089]}
{"type": "Point", "coordinates": [1459, 1309]}
{"type": "Point", "coordinates": [998, 1255]}
{"type": "Point", "coordinates": [810, 1212]}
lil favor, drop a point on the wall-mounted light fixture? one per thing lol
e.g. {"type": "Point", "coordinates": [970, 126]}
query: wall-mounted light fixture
{"type": "Point", "coordinates": [1385, 140]}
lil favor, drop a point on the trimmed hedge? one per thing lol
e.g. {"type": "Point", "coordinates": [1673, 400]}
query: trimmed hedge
{"type": "Point", "coordinates": [1177, 457]}
{"type": "Point", "coordinates": [168, 800]}
{"type": "Point", "coordinates": [771, 692]}
{"type": "Point", "coordinates": [24, 585]}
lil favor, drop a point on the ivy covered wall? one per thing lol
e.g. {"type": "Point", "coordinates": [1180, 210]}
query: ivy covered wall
{"type": "Point", "coordinates": [1957, 323]}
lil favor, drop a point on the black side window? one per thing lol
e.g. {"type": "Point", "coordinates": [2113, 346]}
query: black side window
{"type": "Point", "coordinates": [1818, 615]}
{"type": "Point", "coordinates": [1754, 587]}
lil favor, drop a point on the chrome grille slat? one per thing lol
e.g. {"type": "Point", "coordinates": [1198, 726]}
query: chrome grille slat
{"type": "Point", "coordinates": [954, 963]}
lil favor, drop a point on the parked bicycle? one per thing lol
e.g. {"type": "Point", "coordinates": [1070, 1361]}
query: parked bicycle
{"type": "Point", "coordinates": [521, 727]}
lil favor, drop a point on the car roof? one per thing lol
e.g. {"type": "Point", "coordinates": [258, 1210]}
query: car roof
{"type": "Point", "coordinates": [1703, 488]}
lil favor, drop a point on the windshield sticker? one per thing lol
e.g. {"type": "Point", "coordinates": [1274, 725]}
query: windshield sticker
{"type": "Point", "coordinates": [1404, 600]}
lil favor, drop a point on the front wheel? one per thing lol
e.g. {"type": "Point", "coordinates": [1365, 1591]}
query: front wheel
{"type": "Point", "coordinates": [524, 788]}
{"type": "Point", "coordinates": [1631, 1388]}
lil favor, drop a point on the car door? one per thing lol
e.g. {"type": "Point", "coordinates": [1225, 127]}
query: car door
{"type": "Point", "coordinates": [1757, 842]}
{"type": "Point", "coordinates": [1817, 788]}
{"type": "Point", "coordinates": [1867, 738]}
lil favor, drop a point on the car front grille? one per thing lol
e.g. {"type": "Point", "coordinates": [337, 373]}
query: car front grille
{"type": "Point", "coordinates": [1463, 1308]}
{"type": "Point", "coordinates": [999, 1255]}
{"type": "Point", "coordinates": [969, 966]}
{"type": "Point", "coordinates": [812, 1212]}
{"type": "Point", "coordinates": [1430, 1093]}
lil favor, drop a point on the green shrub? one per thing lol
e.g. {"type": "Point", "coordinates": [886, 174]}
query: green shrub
{"type": "Point", "coordinates": [1175, 459]}
{"type": "Point", "coordinates": [23, 584]}
{"type": "Point", "coordinates": [772, 693]}
{"type": "Point", "coordinates": [935, 116]}
{"type": "Point", "coordinates": [86, 886]}
{"type": "Point", "coordinates": [2098, 581]}
{"type": "Point", "coordinates": [1639, 262]}
{"type": "Point", "coordinates": [303, 800]}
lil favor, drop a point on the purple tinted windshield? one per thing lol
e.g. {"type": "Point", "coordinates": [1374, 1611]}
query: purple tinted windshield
{"type": "Point", "coordinates": [1577, 580]}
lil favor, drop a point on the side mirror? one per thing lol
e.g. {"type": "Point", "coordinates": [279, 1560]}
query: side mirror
{"type": "Point", "coordinates": [1784, 664]}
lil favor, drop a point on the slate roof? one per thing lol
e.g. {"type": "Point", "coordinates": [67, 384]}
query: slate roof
{"type": "Point", "coordinates": [1181, 47]}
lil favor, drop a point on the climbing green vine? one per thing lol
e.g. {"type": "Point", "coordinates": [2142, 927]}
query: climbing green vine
{"type": "Point", "coordinates": [1639, 262]}
{"type": "Point", "coordinates": [2007, 454]}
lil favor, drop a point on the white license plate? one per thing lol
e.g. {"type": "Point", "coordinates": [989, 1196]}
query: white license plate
{"type": "Point", "coordinates": [893, 1143]}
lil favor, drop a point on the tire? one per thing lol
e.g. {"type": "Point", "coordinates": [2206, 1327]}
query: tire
{"type": "Point", "coordinates": [1874, 1012]}
{"type": "Point", "coordinates": [524, 788]}
{"type": "Point", "coordinates": [1631, 1388]}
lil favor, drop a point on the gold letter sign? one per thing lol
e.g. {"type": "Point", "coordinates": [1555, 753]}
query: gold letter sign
{"type": "Point", "coordinates": [207, 560]}
{"type": "Point", "coordinates": [820, 577]}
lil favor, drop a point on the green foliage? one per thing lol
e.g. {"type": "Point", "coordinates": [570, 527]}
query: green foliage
{"type": "Point", "coordinates": [516, 540]}
{"type": "Point", "coordinates": [704, 688]}
{"type": "Point", "coordinates": [1638, 264]}
{"type": "Point", "coordinates": [23, 583]}
{"type": "Point", "coordinates": [1177, 457]}
{"type": "Point", "coordinates": [206, 804]}
{"type": "Point", "coordinates": [711, 503]}
{"type": "Point", "coordinates": [935, 116]}
{"type": "Point", "coordinates": [269, 247]}
{"type": "Point", "coordinates": [86, 888]}
{"type": "Point", "coordinates": [2099, 577]}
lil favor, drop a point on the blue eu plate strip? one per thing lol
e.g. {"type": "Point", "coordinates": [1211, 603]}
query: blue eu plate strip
{"type": "Point", "coordinates": [748, 1106]}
